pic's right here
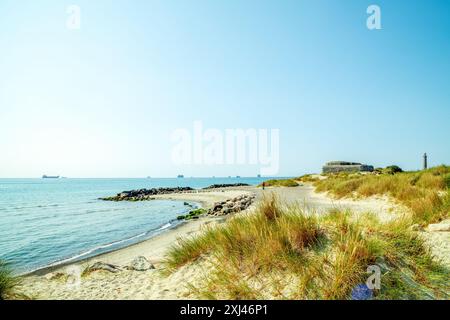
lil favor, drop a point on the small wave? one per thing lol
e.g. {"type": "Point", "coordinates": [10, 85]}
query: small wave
{"type": "Point", "coordinates": [91, 252]}
{"type": "Point", "coordinates": [167, 225]}
{"type": "Point", "coordinates": [88, 252]}
{"type": "Point", "coordinates": [105, 210]}
{"type": "Point", "coordinates": [45, 206]}
{"type": "Point", "coordinates": [38, 206]}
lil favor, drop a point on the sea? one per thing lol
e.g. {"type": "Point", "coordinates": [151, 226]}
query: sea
{"type": "Point", "coordinates": [46, 222]}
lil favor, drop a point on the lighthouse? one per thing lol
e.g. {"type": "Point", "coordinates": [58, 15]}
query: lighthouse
{"type": "Point", "coordinates": [425, 162]}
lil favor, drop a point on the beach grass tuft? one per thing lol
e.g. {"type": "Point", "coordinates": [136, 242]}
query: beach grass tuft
{"type": "Point", "coordinates": [307, 178]}
{"type": "Point", "coordinates": [7, 281]}
{"type": "Point", "coordinates": [281, 183]}
{"type": "Point", "coordinates": [269, 207]}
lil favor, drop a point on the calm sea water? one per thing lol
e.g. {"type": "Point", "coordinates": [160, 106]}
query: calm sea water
{"type": "Point", "coordinates": [46, 221]}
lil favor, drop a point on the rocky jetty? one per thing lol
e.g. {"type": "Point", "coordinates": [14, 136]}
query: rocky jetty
{"type": "Point", "coordinates": [145, 194]}
{"type": "Point", "coordinates": [218, 186]}
{"type": "Point", "coordinates": [235, 205]}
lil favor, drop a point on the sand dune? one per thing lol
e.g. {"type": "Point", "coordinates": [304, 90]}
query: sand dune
{"type": "Point", "coordinates": [153, 284]}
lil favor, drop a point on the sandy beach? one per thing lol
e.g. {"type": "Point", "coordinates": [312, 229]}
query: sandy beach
{"type": "Point", "coordinates": [50, 283]}
{"type": "Point", "coordinates": [53, 283]}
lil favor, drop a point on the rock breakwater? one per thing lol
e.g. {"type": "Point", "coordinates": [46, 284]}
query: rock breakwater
{"type": "Point", "coordinates": [146, 194]}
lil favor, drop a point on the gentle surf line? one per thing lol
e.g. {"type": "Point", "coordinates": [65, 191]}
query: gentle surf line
{"type": "Point", "coordinates": [86, 254]}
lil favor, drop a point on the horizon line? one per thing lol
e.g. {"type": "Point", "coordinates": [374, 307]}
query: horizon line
{"type": "Point", "coordinates": [156, 177]}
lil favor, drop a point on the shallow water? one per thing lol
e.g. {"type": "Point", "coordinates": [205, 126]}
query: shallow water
{"type": "Point", "coordinates": [46, 221]}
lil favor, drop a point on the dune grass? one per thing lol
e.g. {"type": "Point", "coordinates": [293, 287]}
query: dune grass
{"type": "Point", "coordinates": [426, 192]}
{"type": "Point", "coordinates": [278, 252]}
{"type": "Point", "coordinates": [7, 281]}
{"type": "Point", "coordinates": [281, 183]}
{"type": "Point", "coordinates": [307, 178]}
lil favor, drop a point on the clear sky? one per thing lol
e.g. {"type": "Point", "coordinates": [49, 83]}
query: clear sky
{"type": "Point", "coordinates": [104, 100]}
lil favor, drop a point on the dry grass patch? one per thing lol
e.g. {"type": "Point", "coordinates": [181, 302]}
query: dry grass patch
{"type": "Point", "coordinates": [424, 192]}
{"type": "Point", "coordinates": [8, 282]}
{"type": "Point", "coordinates": [281, 183]}
{"type": "Point", "coordinates": [307, 178]}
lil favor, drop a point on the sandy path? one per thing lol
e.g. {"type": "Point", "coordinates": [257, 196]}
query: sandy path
{"type": "Point", "coordinates": [313, 202]}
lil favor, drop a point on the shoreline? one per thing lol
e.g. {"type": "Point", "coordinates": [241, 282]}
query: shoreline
{"type": "Point", "coordinates": [205, 199]}
{"type": "Point", "coordinates": [154, 247]}
{"type": "Point", "coordinates": [108, 256]}
{"type": "Point", "coordinates": [72, 261]}
{"type": "Point", "coordinates": [56, 283]}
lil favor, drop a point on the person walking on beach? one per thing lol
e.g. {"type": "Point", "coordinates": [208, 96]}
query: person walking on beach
{"type": "Point", "coordinates": [264, 186]}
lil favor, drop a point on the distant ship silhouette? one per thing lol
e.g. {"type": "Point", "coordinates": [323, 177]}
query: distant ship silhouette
{"type": "Point", "coordinates": [180, 176]}
{"type": "Point", "coordinates": [49, 177]}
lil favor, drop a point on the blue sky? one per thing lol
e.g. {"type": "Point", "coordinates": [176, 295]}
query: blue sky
{"type": "Point", "coordinates": [103, 101]}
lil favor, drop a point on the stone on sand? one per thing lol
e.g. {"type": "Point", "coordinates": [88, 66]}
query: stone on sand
{"type": "Point", "coordinates": [104, 266]}
{"type": "Point", "coordinates": [141, 264]}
